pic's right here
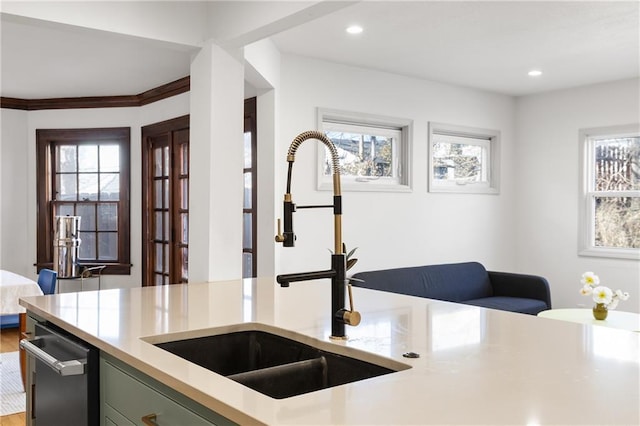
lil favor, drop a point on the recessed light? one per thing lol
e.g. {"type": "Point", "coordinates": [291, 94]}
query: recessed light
{"type": "Point", "coordinates": [354, 29]}
{"type": "Point", "coordinates": [534, 73]}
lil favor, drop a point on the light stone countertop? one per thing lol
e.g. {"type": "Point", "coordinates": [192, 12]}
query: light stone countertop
{"type": "Point", "coordinates": [476, 366]}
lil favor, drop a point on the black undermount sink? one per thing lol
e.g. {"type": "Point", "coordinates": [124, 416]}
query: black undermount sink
{"type": "Point", "coordinates": [273, 365]}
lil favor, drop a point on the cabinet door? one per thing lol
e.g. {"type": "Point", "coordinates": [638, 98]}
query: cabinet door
{"type": "Point", "coordinates": [125, 400]}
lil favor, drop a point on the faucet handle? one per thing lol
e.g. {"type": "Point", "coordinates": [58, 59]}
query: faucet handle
{"type": "Point", "coordinates": [351, 317]}
{"type": "Point", "coordinates": [279, 237]}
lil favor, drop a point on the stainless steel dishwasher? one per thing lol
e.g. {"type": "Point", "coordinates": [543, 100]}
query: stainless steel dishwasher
{"type": "Point", "coordinates": [65, 387]}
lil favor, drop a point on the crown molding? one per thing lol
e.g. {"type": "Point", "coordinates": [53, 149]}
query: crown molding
{"type": "Point", "coordinates": [153, 95]}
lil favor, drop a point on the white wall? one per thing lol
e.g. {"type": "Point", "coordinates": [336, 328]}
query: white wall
{"type": "Point", "coordinates": [393, 229]}
{"type": "Point", "coordinates": [18, 196]}
{"type": "Point", "coordinates": [15, 169]}
{"type": "Point", "coordinates": [216, 162]}
{"type": "Point", "coordinates": [547, 157]}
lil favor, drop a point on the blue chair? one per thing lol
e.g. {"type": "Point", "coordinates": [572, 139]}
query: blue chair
{"type": "Point", "coordinates": [47, 280]}
{"type": "Point", "coordinates": [9, 321]}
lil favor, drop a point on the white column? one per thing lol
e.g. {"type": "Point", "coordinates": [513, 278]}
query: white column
{"type": "Point", "coordinates": [216, 153]}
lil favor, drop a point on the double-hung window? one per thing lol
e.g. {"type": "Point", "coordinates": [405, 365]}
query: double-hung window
{"type": "Point", "coordinates": [85, 172]}
{"type": "Point", "coordinates": [610, 192]}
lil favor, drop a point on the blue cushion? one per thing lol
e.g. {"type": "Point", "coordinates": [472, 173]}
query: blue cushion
{"type": "Point", "coordinates": [451, 282]}
{"type": "Point", "coordinates": [9, 321]}
{"type": "Point", "coordinates": [513, 304]}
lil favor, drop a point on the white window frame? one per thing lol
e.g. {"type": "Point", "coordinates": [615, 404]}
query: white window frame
{"type": "Point", "coordinates": [586, 219]}
{"type": "Point", "coordinates": [488, 139]}
{"type": "Point", "coordinates": [337, 120]}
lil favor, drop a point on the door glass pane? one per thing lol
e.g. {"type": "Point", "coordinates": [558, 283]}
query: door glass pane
{"type": "Point", "coordinates": [66, 158]}
{"type": "Point", "coordinates": [158, 226]}
{"type": "Point", "coordinates": [107, 246]}
{"type": "Point", "coordinates": [165, 187]}
{"type": "Point", "coordinates": [184, 164]}
{"type": "Point", "coordinates": [166, 258]}
{"type": "Point", "coordinates": [247, 231]}
{"type": "Point", "coordinates": [109, 158]}
{"type": "Point", "coordinates": [88, 186]}
{"type": "Point", "coordinates": [165, 217]}
{"type": "Point", "coordinates": [185, 263]}
{"type": "Point", "coordinates": [247, 150]}
{"type": "Point", "coordinates": [158, 279]}
{"type": "Point", "coordinates": [184, 184]}
{"type": "Point", "coordinates": [247, 265]}
{"type": "Point", "coordinates": [159, 256]}
{"type": "Point", "coordinates": [157, 194]}
{"type": "Point", "coordinates": [157, 162]}
{"type": "Point", "coordinates": [87, 213]}
{"type": "Point", "coordinates": [247, 189]}
{"type": "Point", "coordinates": [184, 221]}
{"type": "Point", "coordinates": [88, 158]}
{"type": "Point", "coordinates": [165, 153]}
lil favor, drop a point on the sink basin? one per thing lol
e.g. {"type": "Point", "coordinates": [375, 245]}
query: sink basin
{"type": "Point", "coordinates": [274, 365]}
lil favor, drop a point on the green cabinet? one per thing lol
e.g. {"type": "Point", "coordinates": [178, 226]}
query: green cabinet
{"type": "Point", "coordinates": [127, 396]}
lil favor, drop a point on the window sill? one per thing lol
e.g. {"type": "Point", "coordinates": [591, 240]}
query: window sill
{"type": "Point", "coordinates": [369, 186]}
{"type": "Point", "coordinates": [611, 253]}
{"type": "Point", "coordinates": [111, 268]}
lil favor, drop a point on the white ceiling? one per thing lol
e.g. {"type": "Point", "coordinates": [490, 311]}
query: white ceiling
{"type": "Point", "coordinates": [46, 60]}
{"type": "Point", "coordinates": [485, 45]}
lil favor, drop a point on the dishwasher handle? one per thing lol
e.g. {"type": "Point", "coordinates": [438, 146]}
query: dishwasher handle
{"type": "Point", "coordinates": [75, 367]}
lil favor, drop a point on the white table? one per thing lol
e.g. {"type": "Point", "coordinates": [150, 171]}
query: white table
{"type": "Point", "coordinates": [12, 288]}
{"type": "Point", "coordinates": [615, 319]}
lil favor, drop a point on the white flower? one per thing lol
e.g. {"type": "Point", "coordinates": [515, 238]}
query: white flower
{"type": "Point", "coordinates": [602, 294]}
{"type": "Point", "coordinates": [586, 290]}
{"type": "Point", "coordinates": [589, 278]}
{"type": "Point", "coordinates": [622, 295]}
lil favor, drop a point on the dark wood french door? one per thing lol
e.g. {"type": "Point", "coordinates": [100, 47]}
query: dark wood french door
{"type": "Point", "coordinates": [165, 202]}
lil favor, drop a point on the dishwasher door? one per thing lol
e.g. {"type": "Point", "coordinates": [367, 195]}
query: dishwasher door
{"type": "Point", "coordinates": [65, 386]}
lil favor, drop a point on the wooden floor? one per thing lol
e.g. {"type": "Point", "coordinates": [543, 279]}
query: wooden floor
{"type": "Point", "coordinates": [9, 343]}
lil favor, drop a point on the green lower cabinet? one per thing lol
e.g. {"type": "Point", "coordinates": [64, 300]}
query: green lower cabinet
{"type": "Point", "coordinates": [110, 417]}
{"type": "Point", "coordinates": [129, 397]}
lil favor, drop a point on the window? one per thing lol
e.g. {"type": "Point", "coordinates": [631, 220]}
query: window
{"type": "Point", "coordinates": [463, 159]}
{"type": "Point", "coordinates": [610, 192]}
{"type": "Point", "coordinates": [373, 151]}
{"type": "Point", "coordinates": [85, 172]}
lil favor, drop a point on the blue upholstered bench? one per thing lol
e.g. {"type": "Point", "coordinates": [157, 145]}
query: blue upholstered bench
{"type": "Point", "coordinates": [469, 283]}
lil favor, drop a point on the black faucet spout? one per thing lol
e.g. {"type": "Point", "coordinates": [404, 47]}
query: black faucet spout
{"type": "Point", "coordinates": [286, 279]}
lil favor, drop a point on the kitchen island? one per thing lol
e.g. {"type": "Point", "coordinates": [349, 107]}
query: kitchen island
{"type": "Point", "coordinates": [476, 365]}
